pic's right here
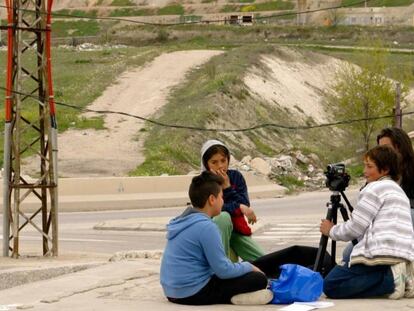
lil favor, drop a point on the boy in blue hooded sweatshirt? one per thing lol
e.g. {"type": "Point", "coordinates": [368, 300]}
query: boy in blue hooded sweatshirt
{"type": "Point", "coordinates": [194, 267]}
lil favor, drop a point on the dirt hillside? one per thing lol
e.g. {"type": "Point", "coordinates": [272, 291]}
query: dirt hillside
{"type": "Point", "coordinates": [295, 85]}
{"type": "Point", "coordinates": [140, 92]}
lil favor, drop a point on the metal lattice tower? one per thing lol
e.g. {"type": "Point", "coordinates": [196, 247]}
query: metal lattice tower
{"type": "Point", "coordinates": [30, 128]}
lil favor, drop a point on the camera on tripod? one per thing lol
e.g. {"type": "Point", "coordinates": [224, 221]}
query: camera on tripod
{"type": "Point", "coordinates": [336, 177]}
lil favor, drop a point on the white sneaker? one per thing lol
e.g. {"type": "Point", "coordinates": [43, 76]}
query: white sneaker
{"type": "Point", "coordinates": [409, 282]}
{"type": "Point", "coordinates": [399, 272]}
{"type": "Point", "coordinates": [259, 297]}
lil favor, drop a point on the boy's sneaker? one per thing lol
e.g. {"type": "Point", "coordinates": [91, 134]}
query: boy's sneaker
{"type": "Point", "coordinates": [259, 297]}
{"type": "Point", "coordinates": [409, 282]}
{"type": "Point", "coordinates": [399, 272]}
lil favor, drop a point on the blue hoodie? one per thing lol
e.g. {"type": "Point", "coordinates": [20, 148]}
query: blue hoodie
{"type": "Point", "coordinates": [194, 253]}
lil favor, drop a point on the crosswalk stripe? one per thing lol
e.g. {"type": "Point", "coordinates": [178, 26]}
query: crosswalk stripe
{"type": "Point", "coordinates": [294, 226]}
{"type": "Point", "coordinates": [281, 233]}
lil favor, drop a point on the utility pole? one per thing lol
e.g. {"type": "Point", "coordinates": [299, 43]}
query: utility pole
{"type": "Point", "coordinates": [30, 128]}
{"type": "Point", "coordinates": [301, 7]}
{"type": "Point", "coordinates": [397, 109]}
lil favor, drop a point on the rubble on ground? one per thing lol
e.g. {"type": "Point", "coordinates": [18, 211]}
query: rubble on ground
{"type": "Point", "coordinates": [306, 169]}
{"type": "Point", "coordinates": [91, 47]}
{"type": "Point", "coordinates": [130, 255]}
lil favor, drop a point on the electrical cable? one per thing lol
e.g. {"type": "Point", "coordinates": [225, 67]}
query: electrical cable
{"type": "Point", "coordinates": [203, 129]}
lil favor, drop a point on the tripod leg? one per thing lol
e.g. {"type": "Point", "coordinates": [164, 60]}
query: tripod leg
{"type": "Point", "coordinates": [333, 243]}
{"type": "Point", "coordinates": [322, 246]}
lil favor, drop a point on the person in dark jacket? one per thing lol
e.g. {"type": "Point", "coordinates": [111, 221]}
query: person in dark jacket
{"type": "Point", "coordinates": [235, 231]}
{"type": "Point", "coordinates": [400, 142]}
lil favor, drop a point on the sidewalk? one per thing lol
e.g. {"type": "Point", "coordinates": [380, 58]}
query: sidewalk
{"type": "Point", "coordinates": [133, 285]}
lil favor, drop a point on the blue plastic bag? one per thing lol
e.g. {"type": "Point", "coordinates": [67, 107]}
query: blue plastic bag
{"type": "Point", "coordinates": [296, 283]}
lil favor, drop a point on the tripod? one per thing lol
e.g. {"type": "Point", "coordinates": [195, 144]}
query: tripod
{"type": "Point", "coordinates": [332, 215]}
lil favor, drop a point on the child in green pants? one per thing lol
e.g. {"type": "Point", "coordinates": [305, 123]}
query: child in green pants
{"type": "Point", "coordinates": [235, 232]}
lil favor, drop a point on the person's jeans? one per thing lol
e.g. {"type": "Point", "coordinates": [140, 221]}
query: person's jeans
{"type": "Point", "coordinates": [346, 254]}
{"type": "Point", "coordinates": [358, 281]}
{"type": "Point", "coordinates": [412, 215]}
{"type": "Point", "coordinates": [220, 291]}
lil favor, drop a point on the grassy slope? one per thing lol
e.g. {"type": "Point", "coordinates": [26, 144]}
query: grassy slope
{"type": "Point", "coordinates": [214, 96]}
{"type": "Point", "coordinates": [79, 78]}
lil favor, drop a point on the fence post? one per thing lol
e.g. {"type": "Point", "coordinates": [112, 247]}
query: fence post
{"type": "Point", "coordinates": [397, 109]}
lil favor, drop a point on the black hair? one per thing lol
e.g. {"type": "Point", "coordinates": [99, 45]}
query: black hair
{"type": "Point", "coordinates": [202, 186]}
{"type": "Point", "coordinates": [385, 158]}
{"type": "Point", "coordinates": [402, 142]}
{"type": "Point", "coordinates": [210, 152]}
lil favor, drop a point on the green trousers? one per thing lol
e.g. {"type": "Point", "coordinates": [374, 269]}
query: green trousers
{"type": "Point", "coordinates": [235, 244]}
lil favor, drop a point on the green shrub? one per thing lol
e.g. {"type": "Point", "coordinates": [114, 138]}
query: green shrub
{"type": "Point", "coordinates": [355, 171]}
{"type": "Point", "coordinates": [290, 182]}
{"type": "Point", "coordinates": [174, 9]}
{"type": "Point", "coordinates": [378, 3]}
{"type": "Point", "coordinates": [162, 35]}
{"type": "Point", "coordinates": [74, 28]}
{"type": "Point", "coordinates": [131, 12]}
{"type": "Point", "coordinates": [122, 3]}
{"type": "Point", "coordinates": [274, 5]}
{"type": "Point", "coordinates": [80, 13]}
{"type": "Point", "coordinates": [230, 8]}
{"type": "Point", "coordinates": [248, 8]}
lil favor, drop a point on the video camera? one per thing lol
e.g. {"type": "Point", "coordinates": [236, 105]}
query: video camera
{"type": "Point", "coordinates": [336, 177]}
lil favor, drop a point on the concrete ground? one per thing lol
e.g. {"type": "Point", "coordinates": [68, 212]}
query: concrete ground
{"type": "Point", "coordinates": [134, 285]}
{"type": "Point", "coordinates": [126, 281]}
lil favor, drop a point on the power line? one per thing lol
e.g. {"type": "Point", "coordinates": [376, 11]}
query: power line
{"type": "Point", "coordinates": [192, 22]}
{"type": "Point", "coordinates": [203, 129]}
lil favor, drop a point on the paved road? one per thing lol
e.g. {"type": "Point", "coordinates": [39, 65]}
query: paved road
{"type": "Point", "coordinates": [289, 220]}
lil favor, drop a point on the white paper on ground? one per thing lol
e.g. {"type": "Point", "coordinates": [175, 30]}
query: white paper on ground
{"type": "Point", "coordinates": [296, 307]}
{"type": "Point", "coordinates": [306, 306]}
{"type": "Point", "coordinates": [317, 304]}
{"type": "Point", "coordinates": [8, 307]}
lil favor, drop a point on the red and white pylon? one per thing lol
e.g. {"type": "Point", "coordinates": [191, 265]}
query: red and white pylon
{"type": "Point", "coordinates": [30, 128]}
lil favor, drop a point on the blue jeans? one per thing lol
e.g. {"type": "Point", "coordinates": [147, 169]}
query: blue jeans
{"type": "Point", "coordinates": [346, 254]}
{"type": "Point", "coordinates": [358, 281]}
{"type": "Point", "coordinates": [412, 216]}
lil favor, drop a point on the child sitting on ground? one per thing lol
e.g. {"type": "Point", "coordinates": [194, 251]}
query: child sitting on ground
{"type": "Point", "coordinates": [381, 261]}
{"type": "Point", "coordinates": [235, 232]}
{"type": "Point", "coordinates": [194, 267]}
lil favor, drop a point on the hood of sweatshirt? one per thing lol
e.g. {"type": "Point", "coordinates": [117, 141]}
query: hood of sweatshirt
{"type": "Point", "coordinates": [206, 146]}
{"type": "Point", "coordinates": [188, 218]}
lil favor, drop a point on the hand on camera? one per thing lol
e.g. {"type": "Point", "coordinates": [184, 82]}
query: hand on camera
{"type": "Point", "coordinates": [325, 226]}
{"type": "Point", "coordinates": [249, 213]}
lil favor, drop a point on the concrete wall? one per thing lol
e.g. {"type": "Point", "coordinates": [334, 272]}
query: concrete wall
{"type": "Point", "coordinates": [107, 193]}
{"type": "Point", "coordinates": [378, 16]}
